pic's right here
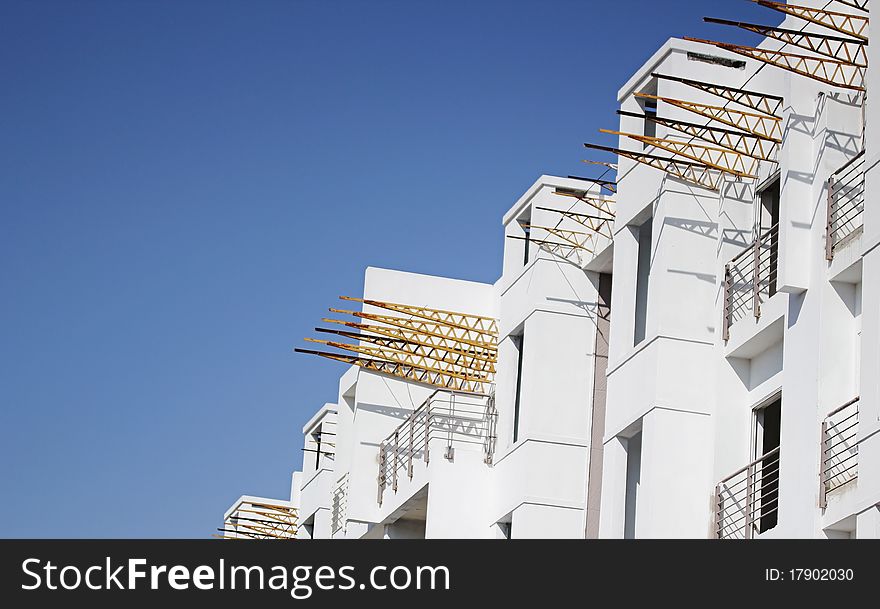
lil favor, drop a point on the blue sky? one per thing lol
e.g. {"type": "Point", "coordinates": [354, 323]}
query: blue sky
{"type": "Point", "coordinates": [186, 186]}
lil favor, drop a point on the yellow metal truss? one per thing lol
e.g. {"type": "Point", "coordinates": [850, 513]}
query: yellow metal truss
{"type": "Point", "coordinates": [596, 224]}
{"type": "Point", "coordinates": [697, 174]}
{"type": "Point", "coordinates": [829, 71]}
{"type": "Point", "coordinates": [261, 521]}
{"type": "Point", "coordinates": [429, 341]}
{"type": "Point", "coordinates": [847, 50]}
{"type": "Point", "coordinates": [845, 23]}
{"type": "Point", "coordinates": [737, 141]}
{"type": "Point", "coordinates": [427, 327]}
{"type": "Point", "coordinates": [760, 102]}
{"type": "Point", "coordinates": [597, 203]}
{"type": "Point", "coordinates": [428, 376]}
{"type": "Point", "coordinates": [722, 159]}
{"type": "Point", "coordinates": [446, 349]}
{"type": "Point", "coordinates": [571, 238]}
{"type": "Point", "coordinates": [759, 125]}
{"type": "Point", "coordinates": [440, 361]}
{"type": "Point", "coordinates": [473, 323]}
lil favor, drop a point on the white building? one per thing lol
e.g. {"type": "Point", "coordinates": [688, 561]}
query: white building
{"type": "Point", "coordinates": [691, 351]}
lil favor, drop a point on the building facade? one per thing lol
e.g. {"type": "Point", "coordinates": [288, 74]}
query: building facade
{"type": "Point", "coordinates": [690, 350]}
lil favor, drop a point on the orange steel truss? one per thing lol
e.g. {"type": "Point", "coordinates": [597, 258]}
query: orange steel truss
{"type": "Point", "coordinates": [447, 349]}
{"type": "Point", "coordinates": [737, 141]}
{"type": "Point", "coordinates": [722, 159]}
{"type": "Point", "coordinates": [759, 125]}
{"type": "Point", "coordinates": [847, 50]}
{"type": "Point", "coordinates": [845, 23]}
{"type": "Point", "coordinates": [261, 521]}
{"type": "Point", "coordinates": [760, 102]}
{"type": "Point", "coordinates": [829, 71]}
{"type": "Point", "coordinates": [697, 174]}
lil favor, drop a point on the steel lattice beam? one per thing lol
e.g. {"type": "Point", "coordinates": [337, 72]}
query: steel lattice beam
{"type": "Point", "coordinates": [722, 159]}
{"type": "Point", "coordinates": [759, 125]}
{"type": "Point", "coordinates": [861, 5]}
{"type": "Point", "coordinates": [570, 237]}
{"type": "Point", "coordinates": [449, 356]}
{"type": "Point", "coordinates": [761, 102]}
{"type": "Point", "coordinates": [406, 371]}
{"type": "Point", "coordinates": [737, 141]}
{"type": "Point", "coordinates": [845, 23]}
{"type": "Point", "coordinates": [608, 185]}
{"type": "Point", "coordinates": [697, 174]}
{"type": "Point", "coordinates": [266, 521]}
{"type": "Point", "coordinates": [596, 203]}
{"type": "Point", "coordinates": [835, 47]}
{"type": "Point", "coordinates": [595, 223]}
{"type": "Point", "coordinates": [428, 340]}
{"type": "Point", "coordinates": [826, 70]}
{"type": "Point", "coordinates": [420, 347]}
{"type": "Point", "coordinates": [435, 364]}
{"type": "Point", "coordinates": [563, 250]}
{"type": "Point", "coordinates": [473, 323]}
{"type": "Point", "coordinates": [424, 327]}
{"type": "Point", "coordinates": [446, 349]}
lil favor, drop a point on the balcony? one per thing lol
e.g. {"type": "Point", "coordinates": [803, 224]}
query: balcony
{"type": "Point", "coordinates": [446, 419]}
{"type": "Point", "coordinates": [750, 279]}
{"type": "Point", "coordinates": [747, 501]}
{"type": "Point", "coordinates": [840, 450]}
{"type": "Point", "coordinates": [846, 203]}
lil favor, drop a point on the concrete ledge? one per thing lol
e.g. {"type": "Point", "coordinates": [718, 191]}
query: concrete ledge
{"type": "Point", "coordinates": [846, 267]}
{"type": "Point", "coordinates": [749, 336]}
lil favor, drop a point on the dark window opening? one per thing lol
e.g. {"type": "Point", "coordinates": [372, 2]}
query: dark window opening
{"type": "Point", "coordinates": [768, 427]}
{"type": "Point", "coordinates": [642, 273]}
{"type": "Point", "coordinates": [649, 106]}
{"type": "Point", "coordinates": [769, 218]}
{"type": "Point", "coordinates": [518, 344]}
{"type": "Point", "coordinates": [633, 482]}
{"type": "Point", "coordinates": [527, 233]}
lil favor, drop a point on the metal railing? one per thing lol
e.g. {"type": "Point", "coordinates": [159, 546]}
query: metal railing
{"type": "Point", "coordinates": [452, 418]}
{"type": "Point", "coordinates": [747, 501]}
{"type": "Point", "coordinates": [750, 279]}
{"type": "Point", "coordinates": [340, 505]}
{"type": "Point", "coordinates": [846, 202]}
{"type": "Point", "coordinates": [840, 449]}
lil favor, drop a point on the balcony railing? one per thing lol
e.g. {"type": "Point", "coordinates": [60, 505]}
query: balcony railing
{"type": "Point", "coordinates": [840, 449]}
{"type": "Point", "coordinates": [846, 202]}
{"type": "Point", "coordinates": [450, 419]}
{"type": "Point", "coordinates": [340, 505]}
{"type": "Point", "coordinates": [747, 501]}
{"type": "Point", "coordinates": [750, 279]}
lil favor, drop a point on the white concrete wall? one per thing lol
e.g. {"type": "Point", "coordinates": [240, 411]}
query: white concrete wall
{"type": "Point", "coordinates": [539, 482]}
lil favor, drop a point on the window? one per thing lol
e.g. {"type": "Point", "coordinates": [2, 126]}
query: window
{"type": "Point", "coordinates": [316, 439]}
{"type": "Point", "coordinates": [768, 425]}
{"type": "Point", "coordinates": [517, 341]}
{"type": "Point", "coordinates": [649, 106]}
{"type": "Point", "coordinates": [642, 273]}
{"type": "Point", "coordinates": [633, 482]}
{"type": "Point", "coordinates": [525, 225]}
{"type": "Point", "coordinates": [768, 218]}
